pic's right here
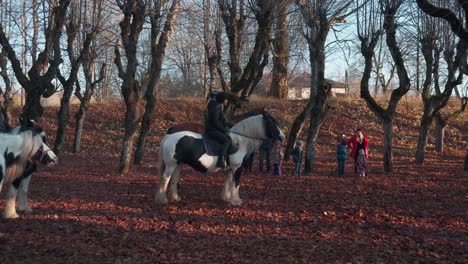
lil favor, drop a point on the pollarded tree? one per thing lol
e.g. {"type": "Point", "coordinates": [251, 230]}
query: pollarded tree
{"type": "Point", "coordinates": [434, 102]}
{"type": "Point", "coordinates": [134, 14]}
{"type": "Point", "coordinates": [244, 80]}
{"type": "Point", "coordinates": [38, 81]}
{"type": "Point", "coordinates": [319, 16]}
{"type": "Point", "coordinates": [76, 50]}
{"type": "Point", "coordinates": [458, 24]}
{"type": "Point", "coordinates": [389, 9]}
{"type": "Point", "coordinates": [93, 19]}
{"type": "Point", "coordinates": [160, 36]}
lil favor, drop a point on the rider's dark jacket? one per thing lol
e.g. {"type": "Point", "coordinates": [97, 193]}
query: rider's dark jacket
{"type": "Point", "coordinates": [4, 126]}
{"type": "Point", "coordinates": [215, 120]}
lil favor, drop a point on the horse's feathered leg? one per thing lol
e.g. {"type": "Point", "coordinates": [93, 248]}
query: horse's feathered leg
{"type": "Point", "coordinates": [235, 199]}
{"type": "Point", "coordinates": [226, 194]}
{"type": "Point", "coordinates": [173, 195]}
{"type": "Point", "coordinates": [22, 184]}
{"type": "Point", "coordinates": [10, 209]}
{"type": "Point", "coordinates": [164, 179]}
{"type": "Point", "coordinates": [23, 195]}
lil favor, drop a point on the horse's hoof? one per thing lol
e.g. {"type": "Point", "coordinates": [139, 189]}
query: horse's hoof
{"type": "Point", "coordinates": [26, 210]}
{"type": "Point", "coordinates": [175, 199]}
{"type": "Point", "coordinates": [236, 202]}
{"type": "Point", "coordinates": [226, 197]}
{"type": "Point", "coordinates": [10, 215]}
{"type": "Point", "coordinates": [160, 199]}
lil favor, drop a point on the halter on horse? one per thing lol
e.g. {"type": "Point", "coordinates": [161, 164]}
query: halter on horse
{"type": "Point", "coordinates": [21, 149]}
{"type": "Point", "coordinates": [188, 147]}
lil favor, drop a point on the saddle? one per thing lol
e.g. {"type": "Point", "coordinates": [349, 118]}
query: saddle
{"type": "Point", "coordinates": [213, 148]}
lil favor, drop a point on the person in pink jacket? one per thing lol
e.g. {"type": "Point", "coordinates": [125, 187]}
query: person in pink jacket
{"type": "Point", "coordinates": [356, 143]}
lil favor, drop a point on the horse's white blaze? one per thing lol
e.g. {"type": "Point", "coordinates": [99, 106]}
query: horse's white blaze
{"type": "Point", "coordinates": [50, 154]}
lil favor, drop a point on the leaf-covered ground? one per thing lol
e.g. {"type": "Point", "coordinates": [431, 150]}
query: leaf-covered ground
{"type": "Point", "coordinates": [84, 212]}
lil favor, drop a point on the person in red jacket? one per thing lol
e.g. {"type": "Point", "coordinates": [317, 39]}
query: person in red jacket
{"type": "Point", "coordinates": [356, 143]}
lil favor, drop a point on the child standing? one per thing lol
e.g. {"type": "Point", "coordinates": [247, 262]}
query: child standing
{"type": "Point", "coordinates": [341, 155]}
{"type": "Point", "coordinates": [277, 157]}
{"type": "Point", "coordinates": [361, 163]}
{"type": "Point", "coordinates": [297, 158]}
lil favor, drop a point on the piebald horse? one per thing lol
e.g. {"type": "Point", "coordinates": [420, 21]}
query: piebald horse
{"type": "Point", "coordinates": [21, 149]}
{"type": "Point", "coordinates": [188, 147]}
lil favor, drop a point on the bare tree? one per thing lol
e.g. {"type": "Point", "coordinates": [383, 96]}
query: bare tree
{"type": "Point", "coordinates": [92, 78]}
{"type": "Point", "coordinates": [38, 80]}
{"type": "Point", "coordinates": [75, 57]}
{"type": "Point", "coordinates": [434, 103]}
{"type": "Point", "coordinates": [244, 79]}
{"type": "Point", "coordinates": [457, 24]}
{"type": "Point", "coordinates": [134, 13]}
{"type": "Point", "coordinates": [159, 41]}
{"type": "Point", "coordinates": [318, 16]}
{"type": "Point", "coordinates": [389, 9]}
{"type": "Point", "coordinates": [459, 28]}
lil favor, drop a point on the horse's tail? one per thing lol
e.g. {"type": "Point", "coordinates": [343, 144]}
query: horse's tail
{"type": "Point", "coordinates": [162, 165]}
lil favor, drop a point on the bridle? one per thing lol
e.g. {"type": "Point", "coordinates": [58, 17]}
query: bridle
{"type": "Point", "coordinates": [43, 153]}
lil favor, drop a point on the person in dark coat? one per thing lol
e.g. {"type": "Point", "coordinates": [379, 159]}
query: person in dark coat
{"type": "Point", "coordinates": [4, 126]}
{"type": "Point", "coordinates": [264, 154]}
{"type": "Point", "coordinates": [216, 126]}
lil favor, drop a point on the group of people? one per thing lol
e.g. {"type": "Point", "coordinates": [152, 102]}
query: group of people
{"type": "Point", "coordinates": [273, 152]}
{"type": "Point", "coordinates": [359, 145]}
{"type": "Point", "coordinates": [356, 147]}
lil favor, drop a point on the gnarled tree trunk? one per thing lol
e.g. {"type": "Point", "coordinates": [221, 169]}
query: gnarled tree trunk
{"type": "Point", "coordinates": [37, 82]}
{"type": "Point", "coordinates": [279, 82]}
{"type": "Point", "coordinates": [441, 123]}
{"type": "Point", "coordinates": [158, 50]}
{"type": "Point", "coordinates": [388, 145]}
{"type": "Point", "coordinates": [134, 17]}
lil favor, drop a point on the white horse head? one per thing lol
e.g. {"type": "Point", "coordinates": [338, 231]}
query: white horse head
{"type": "Point", "coordinates": [42, 153]}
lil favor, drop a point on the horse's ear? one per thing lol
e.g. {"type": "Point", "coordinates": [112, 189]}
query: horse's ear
{"type": "Point", "coordinates": [264, 111]}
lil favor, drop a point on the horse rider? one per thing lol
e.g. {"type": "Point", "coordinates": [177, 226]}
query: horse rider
{"type": "Point", "coordinates": [216, 126]}
{"type": "Point", "coordinates": [4, 126]}
{"type": "Point", "coordinates": [211, 96]}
